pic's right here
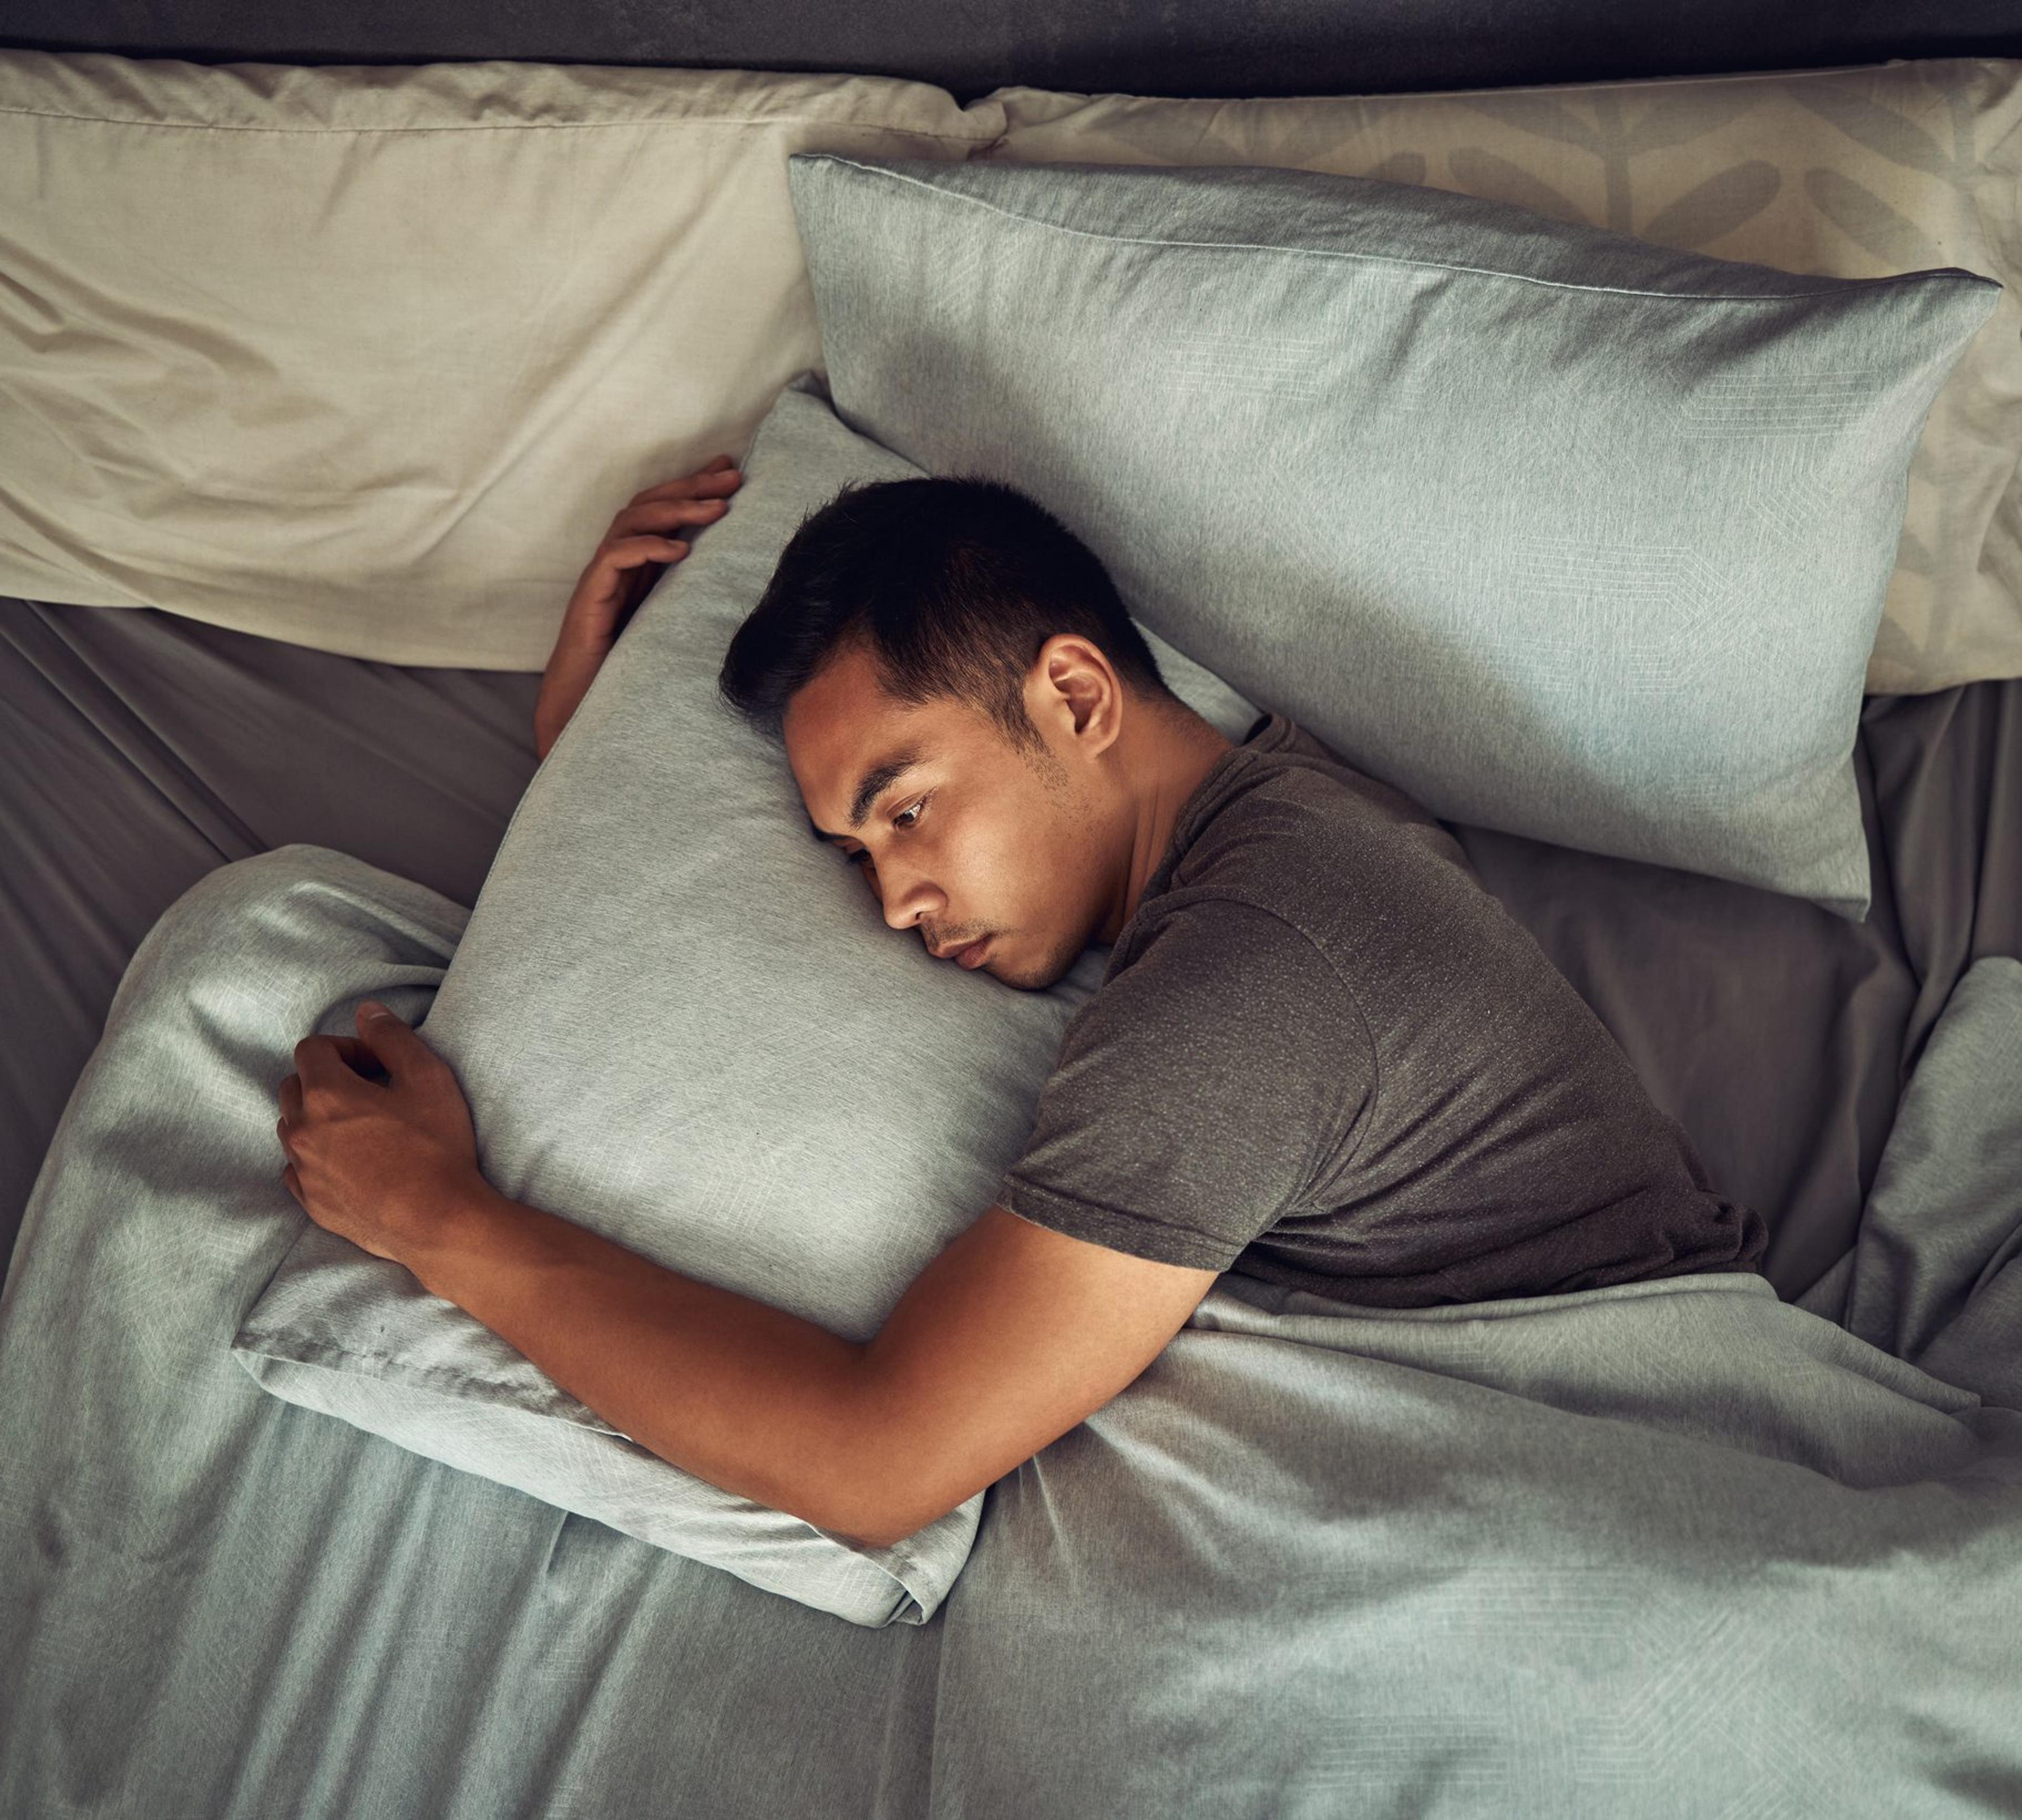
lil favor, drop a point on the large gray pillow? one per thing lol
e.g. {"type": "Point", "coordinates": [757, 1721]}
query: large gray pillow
{"type": "Point", "coordinates": [1563, 533]}
{"type": "Point", "coordinates": [683, 1022]}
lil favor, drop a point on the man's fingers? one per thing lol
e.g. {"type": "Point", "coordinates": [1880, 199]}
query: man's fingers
{"type": "Point", "coordinates": [709, 482]}
{"type": "Point", "coordinates": [317, 1065]}
{"type": "Point", "coordinates": [632, 552]}
{"type": "Point", "coordinates": [660, 514]}
{"type": "Point", "coordinates": [399, 1046]}
{"type": "Point", "coordinates": [359, 1058]}
{"type": "Point", "coordinates": [651, 514]}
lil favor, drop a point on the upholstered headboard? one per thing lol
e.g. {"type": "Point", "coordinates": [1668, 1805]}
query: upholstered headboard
{"type": "Point", "coordinates": [1143, 47]}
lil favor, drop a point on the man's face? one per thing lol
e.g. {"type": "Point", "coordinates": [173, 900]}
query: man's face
{"type": "Point", "coordinates": [976, 844]}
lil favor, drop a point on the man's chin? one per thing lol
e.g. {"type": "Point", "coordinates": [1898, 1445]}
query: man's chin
{"type": "Point", "coordinates": [1026, 978]}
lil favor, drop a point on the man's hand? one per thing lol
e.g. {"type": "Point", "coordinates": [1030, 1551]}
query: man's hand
{"type": "Point", "coordinates": [631, 558]}
{"type": "Point", "coordinates": [380, 1163]}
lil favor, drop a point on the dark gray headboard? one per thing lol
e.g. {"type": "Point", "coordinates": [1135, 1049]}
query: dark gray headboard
{"type": "Point", "coordinates": [1161, 47]}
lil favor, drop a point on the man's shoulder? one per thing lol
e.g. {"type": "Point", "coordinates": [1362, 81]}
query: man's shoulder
{"type": "Point", "coordinates": [1297, 831]}
{"type": "Point", "coordinates": [1290, 756]}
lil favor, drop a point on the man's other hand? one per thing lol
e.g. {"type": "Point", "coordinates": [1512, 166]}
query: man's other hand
{"type": "Point", "coordinates": [633, 554]}
{"type": "Point", "coordinates": [376, 1162]}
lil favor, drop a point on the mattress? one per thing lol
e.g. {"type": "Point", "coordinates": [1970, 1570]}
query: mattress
{"type": "Point", "coordinates": [144, 750]}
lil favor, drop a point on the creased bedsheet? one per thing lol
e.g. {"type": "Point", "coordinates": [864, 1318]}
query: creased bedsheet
{"type": "Point", "coordinates": [1674, 1548]}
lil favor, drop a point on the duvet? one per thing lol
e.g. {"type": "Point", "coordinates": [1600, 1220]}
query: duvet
{"type": "Point", "coordinates": [1678, 1548]}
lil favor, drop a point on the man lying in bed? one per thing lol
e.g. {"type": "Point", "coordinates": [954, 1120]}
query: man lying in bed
{"type": "Point", "coordinates": [1322, 1053]}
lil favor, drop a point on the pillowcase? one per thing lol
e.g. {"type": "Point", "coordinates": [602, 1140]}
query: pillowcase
{"type": "Point", "coordinates": [1563, 533]}
{"type": "Point", "coordinates": [682, 1022]}
{"type": "Point", "coordinates": [367, 358]}
{"type": "Point", "coordinates": [1859, 173]}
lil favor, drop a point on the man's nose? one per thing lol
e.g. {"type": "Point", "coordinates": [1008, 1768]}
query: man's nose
{"type": "Point", "coordinates": [908, 898]}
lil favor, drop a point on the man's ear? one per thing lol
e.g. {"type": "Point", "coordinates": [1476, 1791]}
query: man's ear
{"type": "Point", "coordinates": [1070, 673]}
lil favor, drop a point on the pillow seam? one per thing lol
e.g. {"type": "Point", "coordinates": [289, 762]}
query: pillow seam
{"type": "Point", "coordinates": [1394, 259]}
{"type": "Point", "coordinates": [336, 1358]}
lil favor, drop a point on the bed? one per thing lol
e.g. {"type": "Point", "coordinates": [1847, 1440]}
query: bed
{"type": "Point", "coordinates": [260, 1613]}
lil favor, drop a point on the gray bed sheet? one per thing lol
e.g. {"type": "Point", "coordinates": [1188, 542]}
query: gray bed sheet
{"type": "Point", "coordinates": [140, 750]}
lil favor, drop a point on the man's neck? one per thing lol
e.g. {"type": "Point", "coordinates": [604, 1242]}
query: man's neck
{"type": "Point", "coordinates": [1179, 751]}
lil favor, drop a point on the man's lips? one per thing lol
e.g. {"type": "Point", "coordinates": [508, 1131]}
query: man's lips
{"type": "Point", "coordinates": [969, 954]}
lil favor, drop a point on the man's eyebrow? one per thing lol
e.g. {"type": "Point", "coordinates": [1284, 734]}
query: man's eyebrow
{"type": "Point", "coordinates": [870, 787]}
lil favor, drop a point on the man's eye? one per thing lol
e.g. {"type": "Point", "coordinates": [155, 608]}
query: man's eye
{"type": "Point", "coordinates": [912, 809]}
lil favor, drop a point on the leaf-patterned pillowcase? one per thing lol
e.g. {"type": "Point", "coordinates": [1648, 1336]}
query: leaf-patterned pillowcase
{"type": "Point", "coordinates": [1855, 173]}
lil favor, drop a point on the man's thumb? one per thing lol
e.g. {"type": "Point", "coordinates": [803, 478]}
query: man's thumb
{"type": "Point", "coordinates": [376, 1020]}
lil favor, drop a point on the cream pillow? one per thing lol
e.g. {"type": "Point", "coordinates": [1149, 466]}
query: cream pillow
{"type": "Point", "coordinates": [365, 359]}
{"type": "Point", "coordinates": [1855, 172]}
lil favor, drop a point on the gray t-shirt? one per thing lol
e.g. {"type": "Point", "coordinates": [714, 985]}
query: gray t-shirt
{"type": "Point", "coordinates": [1323, 1054]}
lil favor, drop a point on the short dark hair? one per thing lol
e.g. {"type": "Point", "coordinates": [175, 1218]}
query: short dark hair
{"type": "Point", "coordinates": [953, 583]}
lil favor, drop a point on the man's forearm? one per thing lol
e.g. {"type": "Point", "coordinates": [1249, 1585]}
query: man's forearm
{"type": "Point", "coordinates": [747, 1396]}
{"type": "Point", "coordinates": [572, 667]}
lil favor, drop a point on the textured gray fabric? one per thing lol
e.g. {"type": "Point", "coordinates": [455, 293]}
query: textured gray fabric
{"type": "Point", "coordinates": [1563, 533]}
{"type": "Point", "coordinates": [1948, 1296]}
{"type": "Point", "coordinates": [1323, 1056]}
{"type": "Point", "coordinates": [707, 1044]}
{"type": "Point", "coordinates": [1675, 1549]}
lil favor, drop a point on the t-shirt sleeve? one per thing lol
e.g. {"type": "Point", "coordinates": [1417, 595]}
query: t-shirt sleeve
{"type": "Point", "coordinates": [1200, 1094]}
